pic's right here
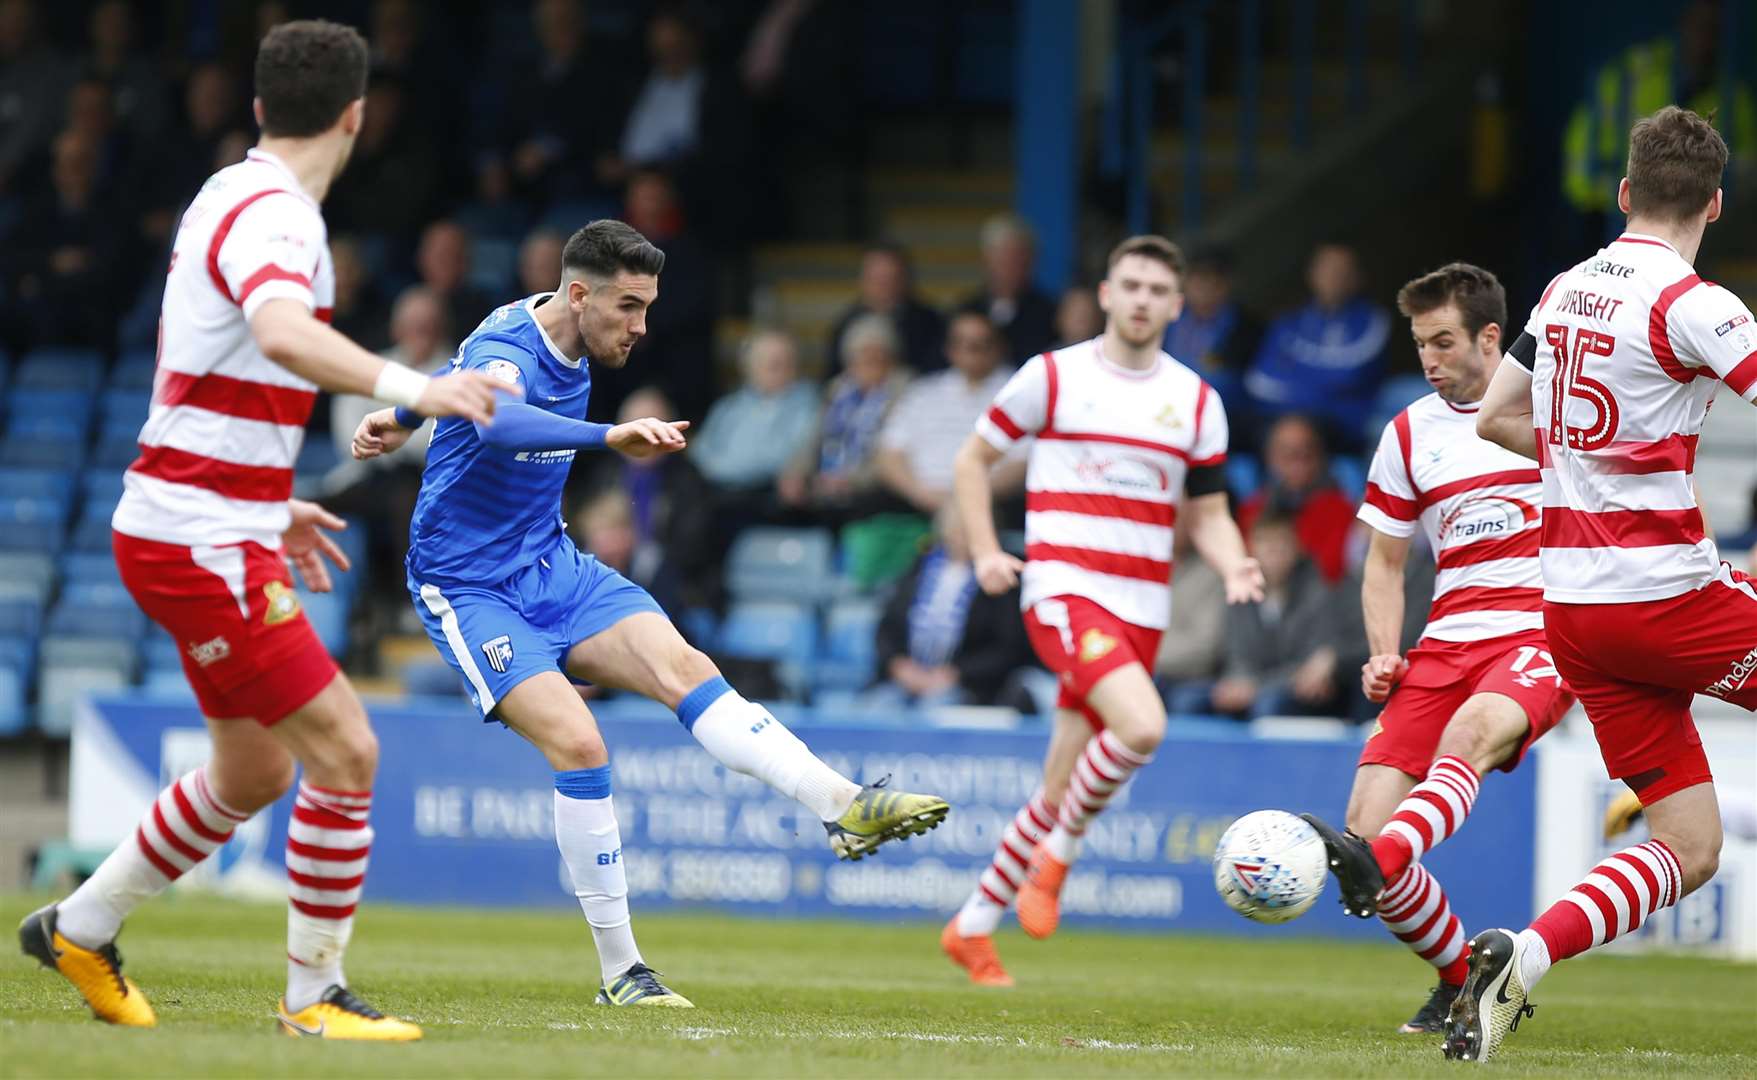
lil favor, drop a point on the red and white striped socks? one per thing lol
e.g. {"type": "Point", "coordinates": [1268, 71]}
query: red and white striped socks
{"type": "Point", "coordinates": [185, 825]}
{"type": "Point", "coordinates": [1105, 767]}
{"type": "Point", "coordinates": [1433, 810]}
{"type": "Point", "coordinates": [1613, 900]}
{"type": "Point", "coordinates": [1414, 908]}
{"type": "Point", "coordinates": [328, 841]}
{"type": "Point", "coordinates": [999, 883]}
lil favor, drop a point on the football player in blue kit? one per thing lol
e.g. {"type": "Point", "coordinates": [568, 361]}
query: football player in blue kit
{"type": "Point", "coordinates": [515, 607]}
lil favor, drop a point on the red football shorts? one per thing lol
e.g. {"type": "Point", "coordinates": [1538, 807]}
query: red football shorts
{"type": "Point", "coordinates": [246, 646]}
{"type": "Point", "coordinates": [1443, 675]}
{"type": "Point", "coordinates": [1636, 667]}
{"type": "Point", "coordinates": [1082, 643]}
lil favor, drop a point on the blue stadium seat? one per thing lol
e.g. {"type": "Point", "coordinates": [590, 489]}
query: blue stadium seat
{"type": "Point", "coordinates": [116, 450]}
{"type": "Point", "coordinates": [24, 401]}
{"type": "Point", "coordinates": [52, 484]}
{"type": "Point", "coordinates": [20, 618]}
{"type": "Point", "coordinates": [134, 371]}
{"type": "Point", "coordinates": [769, 563]}
{"type": "Point", "coordinates": [101, 485]}
{"type": "Point", "coordinates": [41, 539]}
{"type": "Point", "coordinates": [33, 510]}
{"type": "Point", "coordinates": [772, 630]}
{"type": "Point", "coordinates": [161, 652]}
{"type": "Point", "coordinates": [123, 411]}
{"type": "Point", "coordinates": [93, 531]}
{"type": "Point", "coordinates": [1350, 475]}
{"type": "Point", "coordinates": [87, 567]}
{"type": "Point", "coordinates": [167, 683]}
{"type": "Point", "coordinates": [27, 574]}
{"type": "Point", "coordinates": [60, 686]}
{"type": "Point", "coordinates": [61, 369]}
{"type": "Point", "coordinates": [18, 652]}
{"type": "Point", "coordinates": [95, 613]}
{"type": "Point", "coordinates": [316, 457]}
{"type": "Point", "coordinates": [102, 593]}
{"type": "Point", "coordinates": [14, 716]}
{"type": "Point", "coordinates": [70, 427]}
{"type": "Point", "coordinates": [328, 615]}
{"type": "Point", "coordinates": [848, 658]}
{"type": "Point", "coordinates": [30, 452]}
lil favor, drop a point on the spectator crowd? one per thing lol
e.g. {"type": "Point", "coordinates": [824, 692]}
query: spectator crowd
{"type": "Point", "coordinates": [460, 195]}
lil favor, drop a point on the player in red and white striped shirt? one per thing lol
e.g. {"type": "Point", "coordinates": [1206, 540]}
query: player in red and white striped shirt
{"type": "Point", "coordinates": [207, 526]}
{"type": "Point", "coordinates": [1479, 687]}
{"type": "Point", "coordinates": [1123, 433]}
{"type": "Point", "coordinates": [1607, 390]}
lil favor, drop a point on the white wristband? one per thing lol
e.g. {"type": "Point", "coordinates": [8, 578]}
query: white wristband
{"type": "Point", "coordinates": [399, 385]}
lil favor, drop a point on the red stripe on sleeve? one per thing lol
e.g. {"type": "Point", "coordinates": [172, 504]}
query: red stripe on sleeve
{"type": "Point", "coordinates": [219, 240]}
{"type": "Point", "coordinates": [1743, 375]}
{"type": "Point", "coordinates": [1405, 444]}
{"type": "Point", "coordinates": [1564, 528]}
{"type": "Point", "coordinates": [1659, 339]}
{"type": "Point", "coordinates": [241, 398]}
{"type": "Point", "coordinates": [269, 273]}
{"type": "Point", "coordinates": [249, 483]}
{"type": "Point", "coordinates": [1401, 509]}
{"type": "Point", "coordinates": [1049, 396]}
{"type": "Point", "coordinates": [1001, 420]}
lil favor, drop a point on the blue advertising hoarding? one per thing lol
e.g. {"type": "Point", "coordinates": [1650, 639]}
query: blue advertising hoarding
{"type": "Point", "coordinates": [463, 815]}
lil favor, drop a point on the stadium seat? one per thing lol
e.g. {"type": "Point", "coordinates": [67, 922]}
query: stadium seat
{"type": "Point", "coordinates": [101, 485]}
{"type": "Point", "coordinates": [60, 369]}
{"type": "Point", "coordinates": [123, 411]}
{"type": "Point", "coordinates": [38, 538]}
{"type": "Point", "coordinates": [14, 717]}
{"type": "Point", "coordinates": [33, 592]}
{"type": "Point", "coordinates": [328, 615]}
{"type": "Point", "coordinates": [122, 653]}
{"type": "Point", "coordinates": [60, 687]}
{"type": "Point", "coordinates": [161, 652]}
{"type": "Point", "coordinates": [33, 514]}
{"type": "Point", "coordinates": [116, 450]}
{"type": "Point", "coordinates": [26, 566]}
{"type": "Point", "coordinates": [20, 617]}
{"type": "Point", "coordinates": [96, 611]}
{"type": "Point", "coordinates": [758, 630]}
{"type": "Point", "coordinates": [773, 564]}
{"type": "Point", "coordinates": [24, 401]}
{"type": "Point", "coordinates": [87, 567]}
{"type": "Point", "coordinates": [93, 531]}
{"type": "Point", "coordinates": [99, 593]}
{"type": "Point", "coordinates": [167, 683]}
{"type": "Point", "coordinates": [134, 371]}
{"type": "Point", "coordinates": [53, 484]}
{"type": "Point", "coordinates": [32, 452]}
{"type": "Point", "coordinates": [848, 659]}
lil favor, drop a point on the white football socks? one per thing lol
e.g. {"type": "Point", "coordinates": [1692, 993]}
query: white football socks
{"type": "Point", "coordinates": [591, 846]}
{"type": "Point", "coordinates": [746, 738]}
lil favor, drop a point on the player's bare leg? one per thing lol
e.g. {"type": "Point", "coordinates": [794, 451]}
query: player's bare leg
{"type": "Point", "coordinates": [548, 712]}
{"type": "Point", "coordinates": [328, 844]}
{"type": "Point", "coordinates": [1614, 899]}
{"type": "Point", "coordinates": [644, 653]}
{"type": "Point", "coordinates": [191, 819]}
{"type": "Point", "coordinates": [969, 937]}
{"type": "Point", "coordinates": [1134, 725]}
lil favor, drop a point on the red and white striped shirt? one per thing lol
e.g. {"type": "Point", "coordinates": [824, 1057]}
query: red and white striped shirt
{"type": "Point", "coordinates": [1478, 505]}
{"type": "Point", "coordinates": [218, 448]}
{"type": "Point", "coordinates": [1105, 474]}
{"type": "Point", "coordinates": [1630, 344]}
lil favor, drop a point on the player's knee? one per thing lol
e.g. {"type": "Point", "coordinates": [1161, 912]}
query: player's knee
{"type": "Point", "coordinates": [1483, 734]}
{"type": "Point", "coordinates": [1699, 861]}
{"type": "Point", "coordinates": [578, 749]}
{"type": "Point", "coordinates": [263, 785]}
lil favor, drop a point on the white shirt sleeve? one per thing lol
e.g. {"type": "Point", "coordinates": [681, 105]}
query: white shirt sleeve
{"type": "Point", "coordinates": [1211, 432]}
{"type": "Point", "coordinates": [1711, 327]}
{"type": "Point", "coordinates": [1019, 409]}
{"type": "Point", "coordinates": [272, 253]}
{"type": "Point", "coordinates": [1390, 503]}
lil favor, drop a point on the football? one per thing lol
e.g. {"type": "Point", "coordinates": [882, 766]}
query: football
{"type": "Point", "coordinates": [1269, 866]}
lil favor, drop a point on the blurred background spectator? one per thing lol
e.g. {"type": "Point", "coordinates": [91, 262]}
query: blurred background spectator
{"type": "Point", "coordinates": [752, 433]}
{"type": "Point", "coordinates": [1213, 334]}
{"type": "Point", "coordinates": [1297, 484]}
{"type": "Point", "coordinates": [1078, 317]}
{"type": "Point", "coordinates": [540, 261]}
{"type": "Point", "coordinates": [887, 288]}
{"type": "Point", "coordinates": [835, 478]}
{"type": "Point", "coordinates": [942, 640]}
{"type": "Point", "coordinates": [1009, 296]}
{"type": "Point", "coordinates": [1193, 653]}
{"type": "Point", "coordinates": [443, 264]}
{"type": "Point", "coordinates": [938, 412]}
{"type": "Point", "coordinates": [1326, 358]}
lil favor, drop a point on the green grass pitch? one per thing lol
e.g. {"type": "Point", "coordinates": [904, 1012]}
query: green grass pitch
{"type": "Point", "coordinates": [509, 994]}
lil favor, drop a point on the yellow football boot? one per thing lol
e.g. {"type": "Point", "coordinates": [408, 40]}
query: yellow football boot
{"type": "Point", "coordinates": [879, 814]}
{"type": "Point", "coordinates": [338, 1014]}
{"type": "Point", "coordinates": [95, 973]}
{"type": "Point", "coordinates": [640, 986]}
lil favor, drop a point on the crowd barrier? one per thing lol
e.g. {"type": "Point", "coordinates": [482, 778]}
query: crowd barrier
{"type": "Point", "coordinates": [462, 812]}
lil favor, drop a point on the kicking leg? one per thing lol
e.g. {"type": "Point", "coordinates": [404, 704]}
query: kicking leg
{"type": "Point", "coordinates": [547, 712]}
{"type": "Point", "coordinates": [645, 654]}
{"type": "Point", "coordinates": [189, 820]}
{"type": "Point", "coordinates": [968, 939]}
{"type": "Point", "coordinates": [1134, 725]}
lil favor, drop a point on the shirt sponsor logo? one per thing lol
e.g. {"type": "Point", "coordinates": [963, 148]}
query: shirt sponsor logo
{"type": "Point", "coordinates": [283, 603]}
{"type": "Point", "coordinates": [1483, 516]}
{"type": "Point", "coordinates": [545, 457]}
{"type": "Point", "coordinates": [1731, 324]}
{"type": "Point", "coordinates": [211, 651]}
{"type": "Point", "coordinates": [1735, 678]}
{"type": "Point", "coordinates": [498, 652]}
{"type": "Point", "coordinates": [1124, 471]}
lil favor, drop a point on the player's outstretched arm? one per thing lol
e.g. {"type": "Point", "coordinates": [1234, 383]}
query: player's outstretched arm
{"type": "Point", "coordinates": [996, 571]}
{"type": "Point", "coordinates": [287, 333]}
{"type": "Point", "coordinates": [1217, 539]}
{"type": "Point", "coordinates": [1505, 417]}
{"type": "Point", "coordinates": [382, 432]}
{"type": "Point", "coordinates": [1381, 603]}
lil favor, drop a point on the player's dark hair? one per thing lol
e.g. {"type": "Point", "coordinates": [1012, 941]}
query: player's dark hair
{"type": "Point", "coordinates": [603, 247]}
{"type": "Point", "coordinates": [1478, 295]}
{"type": "Point", "coordinates": [307, 72]}
{"type": "Point", "coordinates": [1676, 159]}
{"type": "Point", "coordinates": [1157, 248]}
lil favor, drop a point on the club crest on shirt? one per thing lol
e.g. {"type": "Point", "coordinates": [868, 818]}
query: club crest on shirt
{"type": "Point", "coordinates": [283, 603]}
{"type": "Point", "coordinates": [1095, 644]}
{"type": "Point", "coordinates": [499, 653]}
{"type": "Point", "coordinates": [1168, 418]}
